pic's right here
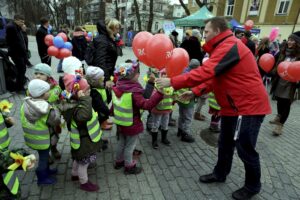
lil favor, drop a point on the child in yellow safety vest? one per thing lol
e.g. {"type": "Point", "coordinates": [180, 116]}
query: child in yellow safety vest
{"type": "Point", "coordinates": [128, 100]}
{"type": "Point", "coordinates": [5, 123]}
{"type": "Point", "coordinates": [83, 126]}
{"type": "Point", "coordinates": [37, 116]}
{"type": "Point", "coordinates": [214, 110]}
{"type": "Point", "coordinates": [161, 115]}
{"type": "Point", "coordinates": [44, 72]}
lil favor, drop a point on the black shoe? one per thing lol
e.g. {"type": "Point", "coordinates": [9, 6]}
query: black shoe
{"type": "Point", "coordinates": [164, 139]}
{"type": "Point", "coordinates": [133, 170]}
{"type": "Point", "coordinates": [243, 194]}
{"type": "Point", "coordinates": [119, 165]}
{"type": "Point", "coordinates": [179, 133]}
{"type": "Point", "coordinates": [155, 145]}
{"type": "Point", "coordinates": [210, 178]}
{"type": "Point", "coordinates": [187, 138]}
{"type": "Point", "coordinates": [154, 140]}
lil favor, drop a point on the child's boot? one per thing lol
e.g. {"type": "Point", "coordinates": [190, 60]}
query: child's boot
{"type": "Point", "coordinates": [154, 140]}
{"type": "Point", "coordinates": [89, 187]}
{"type": "Point", "coordinates": [179, 133]}
{"type": "Point", "coordinates": [44, 178]}
{"type": "Point", "coordinates": [185, 137]}
{"type": "Point", "coordinates": [55, 152]}
{"type": "Point", "coordinates": [119, 164]}
{"type": "Point", "coordinates": [164, 139]}
{"type": "Point", "coordinates": [132, 169]}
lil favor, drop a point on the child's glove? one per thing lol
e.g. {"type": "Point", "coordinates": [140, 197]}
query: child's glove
{"type": "Point", "coordinates": [10, 120]}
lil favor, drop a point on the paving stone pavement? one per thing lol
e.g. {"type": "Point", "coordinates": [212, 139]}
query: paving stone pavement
{"type": "Point", "coordinates": [170, 172]}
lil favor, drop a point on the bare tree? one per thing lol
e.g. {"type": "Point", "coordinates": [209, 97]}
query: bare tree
{"type": "Point", "coordinates": [199, 3]}
{"type": "Point", "coordinates": [187, 11]}
{"type": "Point", "coordinates": [117, 10]}
{"type": "Point", "coordinates": [138, 16]}
{"type": "Point", "coordinates": [151, 16]}
{"type": "Point", "coordinates": [102, 9]}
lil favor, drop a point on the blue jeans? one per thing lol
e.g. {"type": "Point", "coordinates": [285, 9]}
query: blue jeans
{"type": "Point", "coordinates": [245, 145]}
{"type": "Point", "coordinates": [43, 160]}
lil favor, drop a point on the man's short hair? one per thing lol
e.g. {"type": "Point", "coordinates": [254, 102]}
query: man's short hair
{"type": "Point", "coordinates": [19, 17]}
{"type": "Point", "coordinates": [44, 20]}
{"type": "Point", "coordinates": [218, 23]}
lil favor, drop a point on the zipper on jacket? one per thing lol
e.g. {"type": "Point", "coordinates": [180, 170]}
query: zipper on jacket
{"type": "Point", "coordinates": [231, 102]}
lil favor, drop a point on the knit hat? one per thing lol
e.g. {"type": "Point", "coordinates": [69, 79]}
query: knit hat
{"type": "Point", "coordinates": [38, 87]}
{"type": "Point", "coordinates": [196, 33]}
{"type": "Point", "coordinates": [295, 36]}
{"type": "Point", "coordinates": [127, 70]}
{"type": "Point", "coordinates": [71, 64]}
{"type": "Point", "coordinates": [194, 63]}
{"type": "Point", "coordinates": [43, 69]}
{"type": "Point", "coordinates": [74, 83]}
{"type": "Point", "coordinates": [94, 73]}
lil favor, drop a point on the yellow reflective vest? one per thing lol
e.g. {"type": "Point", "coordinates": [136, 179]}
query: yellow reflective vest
{"type": "Point", "coordinates": [11, 181]}
{"type": "Point", "coordinates": [123, 110]}
{"type": "Point", "coordinates": [167, 102]}
{"type": "Point", "coordinates": [212, 102]}
{"type": "Point", "coordinates": [4, 137]}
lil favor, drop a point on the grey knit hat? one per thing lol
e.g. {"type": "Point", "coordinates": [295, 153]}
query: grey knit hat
{"type": "Point", "coordinates": [194, 63]}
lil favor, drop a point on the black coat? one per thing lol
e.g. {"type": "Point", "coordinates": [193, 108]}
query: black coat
{"type": "Point", "coordinates": [79, 46]}
{"type": "Point", "coordinates": [40, 37]}
{"type": "Point", "coordinates": [193, 48]}
{"type": "Point", "coordinates": [15, 41]}
{"type": "Point", "coordinates": [106, 53]}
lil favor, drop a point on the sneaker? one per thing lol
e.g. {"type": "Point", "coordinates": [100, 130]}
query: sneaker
{"type": "Point", "coordinates": [119, 165]}
{"type": "Point", "coordinates": [133, 170]}
{"type": "Point", "coordinates": [89, 187]}
{"type": "Point", "coordinates": [210, 178]}
{"type": "Point", "coordinates": [243, 194]}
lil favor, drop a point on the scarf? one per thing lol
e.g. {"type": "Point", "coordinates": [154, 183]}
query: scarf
{"type": "Point", "coordinates": [129, 86]}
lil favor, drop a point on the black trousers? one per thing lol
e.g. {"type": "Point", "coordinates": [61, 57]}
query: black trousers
{"type": "Point", "coordinates": [283, 108]}
{"type": "Point", "coordinates": [46, 59]}
{"type": "Point", "coordinates": [20, 63]}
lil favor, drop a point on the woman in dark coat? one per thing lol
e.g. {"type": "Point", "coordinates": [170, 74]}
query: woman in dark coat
{"type": "Point", "coordinates": [283, 90]}
{"type": "Point", "coordinates": [79, 44]}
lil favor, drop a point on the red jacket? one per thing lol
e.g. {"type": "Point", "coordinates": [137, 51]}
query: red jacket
{"type": "Point", "coordinates": [235, 77]}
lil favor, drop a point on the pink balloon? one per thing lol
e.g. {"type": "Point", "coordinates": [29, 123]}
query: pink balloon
{"type": "Point", "coordinates": [266, 62]}
{"type": "Point", "coordinates": [49, 40]}
{"type": "Point", "coordinates": [53, 51]}
{"type": "Point", "coordinates": [139, 46]}
{"type": "Point", "coordinates": [177, 63]}
{"type": "Point", "coordinates": [159, 50]}
{"type": "Point", "coordinates": [63, 53]}
{"type": "Point", "coordinates": [64, 36]}
{"type": "Point", "coordinates": [293, 71]}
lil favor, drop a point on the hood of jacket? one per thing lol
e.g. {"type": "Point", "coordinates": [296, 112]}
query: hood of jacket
{"type": "Point", "coordinates": [101, 27]}
{"type": "Point", "coordinates": [34, 109]}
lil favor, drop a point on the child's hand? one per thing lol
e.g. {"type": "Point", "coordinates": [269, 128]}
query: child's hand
{"type": "Point", "coordinates": [109, 84]}
{"type": "Point", "coordinates": [186, 96]}
{"type": "Point", "coordinates": [161, 90]}
{"type": "Point", "coordinates": [10, 120]}
{"type": "Point", "coordinates": [151, 78]}
{"type": "Point", "coordinates": [80, 93]}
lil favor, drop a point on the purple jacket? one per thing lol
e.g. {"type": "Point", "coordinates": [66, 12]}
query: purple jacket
{"type": "Point", "coordinates": [138, 102]}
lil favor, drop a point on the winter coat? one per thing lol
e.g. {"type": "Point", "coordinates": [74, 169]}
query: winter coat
{"type": "Point", "coordinates": [15, 41]}
{"type": "Point", "coordinates": [40, 37]}
{"type": "Point", "coordinates": [79, 46]}
{"type": "Point", "coordinates": [193, 47]}
{"type": "Point", "coordinates": [236, 81]}
{"type": "Point", "coordinates": [81, 113]}
{"type": "Point", "coordinates": [138, 103]}
{"type": "Point", "coordinates": [106, 53]}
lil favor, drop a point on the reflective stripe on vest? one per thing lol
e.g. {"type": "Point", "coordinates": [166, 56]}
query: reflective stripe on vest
{"type": "Point", "coordinates": [36, 135]}
{"type": "Point", "coordinates": [167, 102]}
{"type": "Point", "coordinates": [11, 181]}
{"type": "Point", "coordinates": [180, 92]}
{"type": "Point", "coordinates": [54, 94]}
{"type": "Point", "coordinates": [123, 113]}
{"type": "Point", "coordinates": [212, 102]}
{"type": "Point", "coordinates": [4, 137]}
{"type": "Point", "coordinates": [102, 92]}
{"type": "Point", "coordinates": [94, 131]}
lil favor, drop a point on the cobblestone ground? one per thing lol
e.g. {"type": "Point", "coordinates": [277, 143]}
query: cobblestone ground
{"type": "Point", "coordinates": [170, 172]}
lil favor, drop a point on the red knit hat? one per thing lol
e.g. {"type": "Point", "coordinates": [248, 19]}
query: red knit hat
{"type": "Point", "coordinates": [74, 83]}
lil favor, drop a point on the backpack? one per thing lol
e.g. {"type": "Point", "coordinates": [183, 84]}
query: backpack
{"type": "Point", "coordinates": [89, 53]}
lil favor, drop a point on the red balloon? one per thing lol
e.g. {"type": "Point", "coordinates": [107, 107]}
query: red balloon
{"type": "Point", "coordinates": [64, 36]}
{"type": "Point", "coordinates": [53, 51]}
{"type": "Point", "coordinates": [178, 62]}
{"type": "Point", "coordinates": [282, 69]}
{"type": "Point", "coordinates": [63, 53]}
{"type": "Point", "coordinates": [159, 50]}
{"type": "Point", "coordinates": [266, 62]}
{"type": "Point", "coordinates": [248, 25]}
{"type": "Point", "coordinates": [293, 71]}
{"type": "Point", "coordinates": [139, 44]}
{"type": "Point", "coordinates": [49, 40]}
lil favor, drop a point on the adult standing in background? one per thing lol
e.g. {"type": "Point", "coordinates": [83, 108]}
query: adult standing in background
{"type": "Point", "coordinates": [106, 53]}
{"type": "Point", "coordinates": [231, 67]}
{"type": "Point", "coordinates": [24, 31]}
{"type": "Point", "coordinates": [17, 49]}
{"type": "Point", "coordinates": [79, 43]}
{"type": "Point", "coordinates": [40, 37]}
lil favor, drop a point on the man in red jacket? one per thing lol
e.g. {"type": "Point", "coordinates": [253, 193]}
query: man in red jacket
{"type": "Point", "coordinates": [235, 80]}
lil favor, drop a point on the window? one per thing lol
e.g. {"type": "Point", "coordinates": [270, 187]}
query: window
{"type": "Point", "coordinates": [156, 26]}
{"type": "Point", "coordinates": [229, 7]}
{"type": "Point", "coordinates": [283, 7]}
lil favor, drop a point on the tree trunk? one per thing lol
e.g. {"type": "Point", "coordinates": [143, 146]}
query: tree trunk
{"type": "Point", "coordinates": [151, 15]}
{"type": "Point", "coordinates": [200, 4]}
{"type": "Point", "coordinates": [138, 16]}
{"type": "Point", "coordinates": [102, 9]}
{"type": "Point", "coordinates": [117, 10]}
{"type": "Point", "coordinates": [184, 7]}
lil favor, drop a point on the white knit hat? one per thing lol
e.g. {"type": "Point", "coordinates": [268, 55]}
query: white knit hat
{"type": "Point", "coordinates": [38, 87]}
{"type": "Point", "coordinates": [94, 73]}
{"type": "Point", "coordinates": [70, 64]}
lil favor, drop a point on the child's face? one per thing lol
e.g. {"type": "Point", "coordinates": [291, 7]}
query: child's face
{"type": "Point", "coordinates": [40, 76]}
{"type": "Point", "coordinates": [46, 96]}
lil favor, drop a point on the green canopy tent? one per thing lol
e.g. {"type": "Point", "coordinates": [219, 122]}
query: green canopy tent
{"type": "Point", "coordinates": [196, 19]}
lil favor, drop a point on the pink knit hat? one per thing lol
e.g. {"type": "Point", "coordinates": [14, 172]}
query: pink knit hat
{"type": "Point", "coordinates": [74, 83]}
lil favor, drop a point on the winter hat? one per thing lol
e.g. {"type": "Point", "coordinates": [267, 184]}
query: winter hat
{"type": "Point", "coordinates": [74, 83]}
{"type": "Point", "coordinates": [194, 63]}
{"type": "Point", "coordinates": [38, 87]}
{"type": "Point", "coordinates": [127, 70]}
{"type": "Point", "coordinates": [196, 33]}
{"type": "Point", "coordinates": [71, 64]}
{"type": "Point", "coordinates": [43, 69]}
{"type": "Point", "coordinates": [295, 36]}
{"type": "Point", "coordinates": [94, 73]}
